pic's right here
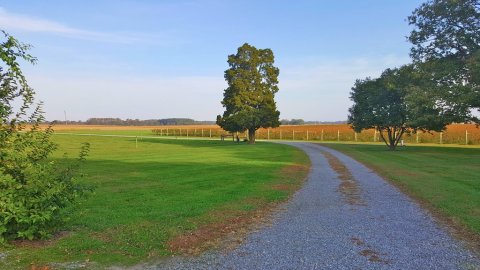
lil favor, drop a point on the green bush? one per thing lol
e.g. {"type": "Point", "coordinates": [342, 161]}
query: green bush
{"type": "Point", "coordinates": [33, 189]}
{"type": "Point", "coordinates": [32, 200]}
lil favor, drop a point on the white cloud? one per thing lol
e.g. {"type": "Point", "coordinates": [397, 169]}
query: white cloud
{"type": "Point", "coordinates": [27, 23]}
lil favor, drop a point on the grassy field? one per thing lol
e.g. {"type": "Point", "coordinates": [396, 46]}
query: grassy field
{"type": "Point", "coordinates": [445, 179]}
{"type": "Point", "coordinates": [148, 197]}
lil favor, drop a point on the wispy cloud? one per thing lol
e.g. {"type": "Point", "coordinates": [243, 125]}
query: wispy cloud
{"type": "Point", "coordinates": [21, 22]}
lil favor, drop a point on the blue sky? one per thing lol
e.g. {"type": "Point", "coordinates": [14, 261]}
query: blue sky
{"type": "Point", "coordinates": [160, 59]}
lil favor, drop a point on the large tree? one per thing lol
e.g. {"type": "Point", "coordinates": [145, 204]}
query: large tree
{"type": "Point", "coordinates": [446, 46]}
{"type": "Point", "coordinates": [33, 188]}
{"type": "Point", "coordinates": [397, 102]}
{"type": "Point", "coordinates": [249, 99]}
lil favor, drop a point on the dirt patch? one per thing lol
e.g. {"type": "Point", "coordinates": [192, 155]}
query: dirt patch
{"type": "Point", "coordinates": [372, 256]}
{"type": "Point", "coordinates": [290, 178]}
{"type": "Point", "coordinates": [368, 252]}
{"type": "Point", "coordinates": [348, 185]}
{"type": "Point", "coordinates": [227, 234]}
{"type": "Point", "coordinates": [22, 243]}
{"type": "Point", "coordinates": [294, 169]}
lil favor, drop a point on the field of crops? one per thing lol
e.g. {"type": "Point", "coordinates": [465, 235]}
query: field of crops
{"type": "Point", "coordinates": [454, 134]}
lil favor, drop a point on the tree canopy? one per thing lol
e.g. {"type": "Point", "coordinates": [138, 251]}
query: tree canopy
{"type": "Point", "coordinates": [446, 46]}
{"type": "Point", "coordinates": [249, 98]}
{"type": "Point", "coordinates": [395, 103]}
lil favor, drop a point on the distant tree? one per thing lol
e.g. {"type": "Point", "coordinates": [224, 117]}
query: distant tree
{"type": "Point", "coordinates": [397, 102]}
{"type": "Point", "coordinates": [33, 188]}
{"type": "Point", "coordinates": [177, 121]}
{"type": "Point", "coordinates": [249, 99]}
{"type": "Point", "coordinates": [446, 46]}
{"type": "Point", "coordinates": [292, 122]}
{"type": "Point", "coordinates": [138, 122]}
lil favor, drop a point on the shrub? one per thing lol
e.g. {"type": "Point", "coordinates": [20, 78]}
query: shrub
{"type": "Point", "coordinates": [33, 188]}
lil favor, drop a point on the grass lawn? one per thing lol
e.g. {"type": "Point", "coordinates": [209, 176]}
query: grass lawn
{"type": "Point", "coordinates": [165, 188]}
{"type": "Point", "coordinates": [445, 179]}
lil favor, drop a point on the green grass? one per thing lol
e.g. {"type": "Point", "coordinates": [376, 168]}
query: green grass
{"type": "Point", "coordinates": [162, 189]}
{"type": "Point", "coordinates": [446, 179]}
{"type": "Point", "coordinates": [126, 132]}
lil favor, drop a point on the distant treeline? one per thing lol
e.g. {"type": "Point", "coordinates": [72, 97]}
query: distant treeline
{"type": "Point", "coordinates": [138, 122]}
{"type": "Point", "coordinates": [176, 122]}
{"type": "Point", "coordinates": [299, 122]}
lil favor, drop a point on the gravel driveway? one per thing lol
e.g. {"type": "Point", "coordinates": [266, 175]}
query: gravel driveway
{"type": "Point", "coordinates": [344, 217]}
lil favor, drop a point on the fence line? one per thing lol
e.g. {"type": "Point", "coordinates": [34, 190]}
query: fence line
{"type": "Point", "coordinates": [304, 135]}
{"type": "Point", "coordinates": [445, 137]}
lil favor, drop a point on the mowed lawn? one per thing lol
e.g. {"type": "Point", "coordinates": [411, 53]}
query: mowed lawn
{"type": "Point", "coordinates": [161, 190]}
{"type": "Point", "coordinates": [446, 179]}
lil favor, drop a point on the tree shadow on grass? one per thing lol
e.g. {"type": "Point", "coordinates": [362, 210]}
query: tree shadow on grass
{"type": "Point", "coordinates": [195, 142]}
{"type": "Point", "coordinates": [259, 151]}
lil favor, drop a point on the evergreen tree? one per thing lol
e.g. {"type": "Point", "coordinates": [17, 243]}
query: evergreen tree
{"type": "Point", "coordinates": [249, 99]}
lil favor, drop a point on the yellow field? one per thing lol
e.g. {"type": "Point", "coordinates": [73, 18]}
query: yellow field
{"type": "Point", "coordinates": [454, 134]}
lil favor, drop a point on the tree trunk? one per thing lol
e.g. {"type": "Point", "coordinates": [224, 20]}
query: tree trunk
{"type": "Point", "coordinates": [392, 145]}
{"type": "Point", "coordinates": [251, 136]}
{"type": "Point", "coordinates": [391, 140]}
{"type": "Point", "coordinates": [394, 136]}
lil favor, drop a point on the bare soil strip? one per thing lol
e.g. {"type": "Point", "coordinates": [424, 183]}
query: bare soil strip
{"type": "Point", "coordinates": [348, 186]}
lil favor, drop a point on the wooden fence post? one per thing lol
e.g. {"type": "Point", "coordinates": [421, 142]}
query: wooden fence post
{"type": "Point", "coordinates": [441, 137]}
{"type": "Point", "coordinates": [338, 135]}
{"type": "Point", "coordinates": [293, 137]}
{"type": "Point", "coordinates": [268, 134]}
{"type": "Point", "coordinates": [210, 133]}
{"type": "Point", "coordinates": [307, 135]}
{"type": "Point", "coordinates": [321, 137]}
{"type": "Point", "coordinates": [466, 137]}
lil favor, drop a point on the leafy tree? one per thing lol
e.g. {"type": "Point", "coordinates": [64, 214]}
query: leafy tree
{"type": "Point", "coordinates": [397, 102]}
{"type": "Point", "coordinates": [33, 189]}
{"type": "Point", "coordinates": [446, 45]}
{"type": "Point", "coordinates": [249, 99]}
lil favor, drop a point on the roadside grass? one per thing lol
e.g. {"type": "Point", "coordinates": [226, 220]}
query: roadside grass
{"type": "Point", "coordinates": [444, 179]}
{"type": "Point", "coordinates": [163, 189]}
